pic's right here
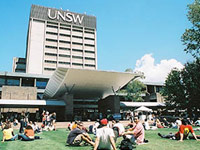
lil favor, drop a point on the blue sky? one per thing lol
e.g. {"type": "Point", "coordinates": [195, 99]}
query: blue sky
{"type": "Point", "coordinates": [126, 30]}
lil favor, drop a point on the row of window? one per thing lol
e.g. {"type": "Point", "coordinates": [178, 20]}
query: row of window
{"type": "Point", "coordinates": [64, 55]}
{"type": "Point", "coordinates": [68, 63]}
{"type": "Point", "coordinates": [55, 62]}
{"type": "Point", "coordinates": [69, 29]}
{"type": "Point", "coordinates": [68, 42]}
{"type": "Point", "coordinates": [68, 25]}
{"type": "Point", "coordinates": [68, 35]}
{"type": "Point", "coordinates": [64, 48]}
{"type": "Point", "coordinates": [40, 83]}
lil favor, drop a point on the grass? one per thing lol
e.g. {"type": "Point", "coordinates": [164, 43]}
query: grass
{"type": "Point", "coordinates": [56, 140]}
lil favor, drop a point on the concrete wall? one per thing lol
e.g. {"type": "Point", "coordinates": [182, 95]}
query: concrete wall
{"type": "Point", "coordinates": [36, 48]}
{"type": "Point", "coordinates": [21, 93]}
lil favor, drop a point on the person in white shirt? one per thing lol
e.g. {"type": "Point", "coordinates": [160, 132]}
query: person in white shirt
{"type": "Point", "coordinates": [105, 137]}
{"type": "Point", "coordinates": [95, 126]}
{"type": "Point", "coordinates": [118, 129]}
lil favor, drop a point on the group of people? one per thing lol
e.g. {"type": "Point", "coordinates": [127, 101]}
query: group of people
{"type": "Point", "coordinates": [27, 129]}
{"type": "Point", "coordinates": [48, 121]}
{"type": "Point", "coordinates": [107, 134]}
{"type": "Point", "coordinates": [27, 135]}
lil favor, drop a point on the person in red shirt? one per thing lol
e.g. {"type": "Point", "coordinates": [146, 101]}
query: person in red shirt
{"type": "Point", "coordinates": [183, 132]}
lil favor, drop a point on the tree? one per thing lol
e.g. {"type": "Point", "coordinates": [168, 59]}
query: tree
{"type": "Point", "coordinates": [134, 91]}
{"type": "Point", "coordinates": [191, 80]}
{"type": "Point", "coordinates": [182, 88]}
{"type": "Point", "coordinates": [174, 91]}
{"type": "Point", "coordinates": [129, 70]}
{"type": "Point", "coordinates": [191, 37]}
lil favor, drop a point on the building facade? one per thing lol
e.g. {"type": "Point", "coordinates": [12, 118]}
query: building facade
{"type": "Point", "coordinates": [19, 65]}
{"type": "Point", "coordinates": [58, 38]}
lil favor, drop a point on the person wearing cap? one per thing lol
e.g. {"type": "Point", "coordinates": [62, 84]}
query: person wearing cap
{"type": "Point", "coordinates": [136, 133]}
{"type": "Point", "coordinates": [105, 137]}
{"type": "Point", "coordinates": [78, 135]}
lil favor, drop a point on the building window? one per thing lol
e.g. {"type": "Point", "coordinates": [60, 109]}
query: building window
{"type": "Point", "coordinates": [36, 20]}
{"type": "Point", "coordinates": [77, 27]}
{"type": "Point", "coordinates": [63, 48]}
{"type": "Point", "coordinates": [66, 35]}
{"type": "Point", "coordinates": [89, 58]}
{"type": "Point", "coordinates": [51, 61]}
{"type": "Point", "coordinates": [51, 40]}
{"type": "Point", "coordinates": [77, 50]}
{"type": "Point", "coordinates": [61, 41]}
{"type": "Point", "coordinates": [89, 29]}
{"type": "Point", "coordinates": [13, 82]}
{"type": "Point", "coordinates": [75, 43]}
{"type": "Point", "coordinates": [28, 82]}
{"type": "Point", "coordinates": [77, 30]}
{"type": "Point", "coordinates": [89, 65]}
{"type": "Point", "coordinates": [41, 84]}
{"type": "Point", "coordinates": [89, 32]}
{"type": "Point", "coordinates": [87, 51]}
{"type": "Point", "coordinates": [50, 54]}
{"type": "Point", "coordinates": [54, 23]}
{"type": "Point", "coordinates": [50, 69]}
{"type": "Point", "coordinates": [52, 47]}
{"type": "Point", "coordinates": [20, 63]}
{"type": "Point", "coordinates": [86, 38]}
{"type": "Point", "coordinates": [79, 57]}
{"type": "Point", "coordinates": [90, 45]}
{"type": "Point", "coordinates": [50, 26]}
{"type": "Point", "coordinates": [79, 37]}
{"type": "Point", "coordinates": [63, 55]}
{"type": "Point", "coordinates": [62, 62]}
{"type": "Point", "coordinates": [158, 89]}
{"type": "Point", "coordinates": [2, 81]}
{"type": "Point", "coordinates": [51, 33]}
{"type": "Point", "coordinates": [77, 64]}
{"type": "Point", "coordinates": [65, 28]}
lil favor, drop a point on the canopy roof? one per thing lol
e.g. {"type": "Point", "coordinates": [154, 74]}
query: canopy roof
{"type": "Point", "coordinates": [143, 108]}
{"type": "Point", "coordinates": [6, 102]}
{"type": "Point", "coordinates": [138, 104]}
{"type": "Point", "coordinates": [86, 84]}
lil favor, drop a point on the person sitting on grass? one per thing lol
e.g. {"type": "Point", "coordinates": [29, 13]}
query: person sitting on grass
{"type": "Point", "coordinates": [183, 132]}
{"type": "Point", "coordinates": [77, 135]}
{"type": "Point", "coordinates": [118, 129]}
{"type": "Point", "coordinates": [105, 137]}
{"type": "Point", "coordinates": [8, 134]}
{"type": "Point", "coordinates": [28, 134]}
{"type": "Point", "coordinates": [136, 133]}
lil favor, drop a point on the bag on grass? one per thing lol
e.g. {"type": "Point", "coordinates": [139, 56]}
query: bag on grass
{"type": "Point", "coordinates": [126, 145]}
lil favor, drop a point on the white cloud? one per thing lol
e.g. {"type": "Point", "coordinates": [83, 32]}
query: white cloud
{"type": "Point", "coordinates": [156, 72]}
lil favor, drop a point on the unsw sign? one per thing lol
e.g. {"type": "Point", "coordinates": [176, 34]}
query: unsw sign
{"type": "Point", "coordinates": [65, 16]}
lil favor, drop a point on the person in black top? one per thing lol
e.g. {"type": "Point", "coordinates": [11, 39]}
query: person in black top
{"type": "Point", "coordinates": [22, 122]}
{"type": "Point", "coordinates": [78, 135]}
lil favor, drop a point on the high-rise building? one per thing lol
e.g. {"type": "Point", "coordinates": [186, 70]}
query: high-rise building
{"type": "Point", "coordinates": [58, 38]}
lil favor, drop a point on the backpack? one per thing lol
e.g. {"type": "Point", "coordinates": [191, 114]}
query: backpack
{"type": "Point", "coordinates": [126, 145]}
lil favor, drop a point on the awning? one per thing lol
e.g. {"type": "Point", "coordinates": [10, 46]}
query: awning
{"type": "Point", "coordinates": [139, 104]}
{"type": "Point", "coordinates": [143, 108]}
{"type": "Point", "coordinates": [86, 84]}
{"type": "Point", "coordinates": [5, 102]}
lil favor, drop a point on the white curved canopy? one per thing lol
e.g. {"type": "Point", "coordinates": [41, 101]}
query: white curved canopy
{"type": "Point", "coordinates": [86, 84]}
{"type": "Point", "coordinates": [143, 108]}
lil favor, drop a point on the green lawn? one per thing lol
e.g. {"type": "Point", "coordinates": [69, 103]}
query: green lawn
{"type": "Point", "coordinates": [56, 140]}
